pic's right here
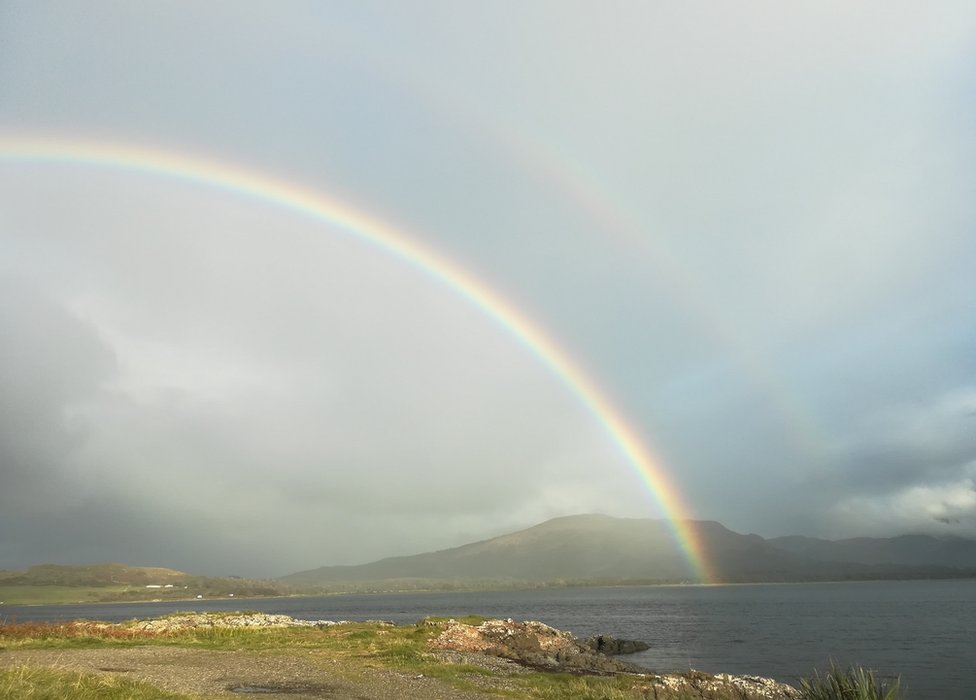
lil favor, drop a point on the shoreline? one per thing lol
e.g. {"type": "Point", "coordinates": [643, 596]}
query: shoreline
{"type": "Point", "coordinates": [434, 591]}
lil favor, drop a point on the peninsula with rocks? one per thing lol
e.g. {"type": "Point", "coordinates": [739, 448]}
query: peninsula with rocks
{"type": "Point", "coordinates": [193, 656]}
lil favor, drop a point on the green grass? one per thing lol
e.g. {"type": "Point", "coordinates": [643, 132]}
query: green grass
{"type": "Point", "coordinates": [853, 683]}
{"type": "Point", "coordinates": [35, 683]}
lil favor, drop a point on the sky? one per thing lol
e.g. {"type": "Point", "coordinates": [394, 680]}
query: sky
{"type": "Point", "coordinates": [750, 225]}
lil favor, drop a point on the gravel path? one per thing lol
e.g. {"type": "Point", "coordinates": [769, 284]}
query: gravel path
{"type": "Point", "coordinates": [216, 674]}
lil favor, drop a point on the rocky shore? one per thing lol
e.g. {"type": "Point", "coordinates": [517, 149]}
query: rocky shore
{"type": "Point", "coordinates": [531, 644]}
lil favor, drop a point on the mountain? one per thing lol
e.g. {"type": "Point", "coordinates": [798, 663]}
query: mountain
{"type": "Point", "coordinates": [593, 548]}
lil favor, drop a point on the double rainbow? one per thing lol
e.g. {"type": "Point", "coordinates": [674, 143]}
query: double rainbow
{"type": "Point", "coordinates": [403, 246]}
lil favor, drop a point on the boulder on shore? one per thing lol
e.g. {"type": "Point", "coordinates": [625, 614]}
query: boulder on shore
{"type": "Point", "coordinates": [611, 646]}
{"type": "Point", "coordinates": [531, 644]}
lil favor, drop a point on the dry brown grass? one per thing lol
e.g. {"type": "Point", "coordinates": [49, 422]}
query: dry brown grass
{"type": "Point", "coordinates": [17, 633]}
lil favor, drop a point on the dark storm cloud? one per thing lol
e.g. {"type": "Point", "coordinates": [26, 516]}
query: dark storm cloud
{"type": "Point", "coordinates": [915, 465]}
{"type": "Point", "coordinates": [930, 444]}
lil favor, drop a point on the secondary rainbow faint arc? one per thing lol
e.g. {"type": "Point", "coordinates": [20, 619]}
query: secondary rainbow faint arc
{"type": "Point", "coordinates": [314, 204]}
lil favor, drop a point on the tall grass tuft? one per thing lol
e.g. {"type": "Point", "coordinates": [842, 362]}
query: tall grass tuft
{"type": "Point", "coordinates": [853, 683]}
{"type": "Point", "coordinates": [36, 683]}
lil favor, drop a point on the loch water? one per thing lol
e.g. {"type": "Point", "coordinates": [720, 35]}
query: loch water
{"type": "Point", "coordinates": [924, 631]}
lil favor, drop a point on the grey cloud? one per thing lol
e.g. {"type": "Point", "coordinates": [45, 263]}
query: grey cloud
{"type": "Point", "coordinates": [913, 465]}
{"type": "Point", "coordinates": [918, 444]}
{"type": "Point", "coordinates": [51, 363]}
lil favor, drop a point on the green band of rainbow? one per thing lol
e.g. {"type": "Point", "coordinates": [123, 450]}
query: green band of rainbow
{"type": "Point", "coordinates": [409, 249]}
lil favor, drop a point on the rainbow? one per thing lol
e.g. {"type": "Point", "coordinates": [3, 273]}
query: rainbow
{"type": "Point", "coordinates": [581, 186]}
{"type": "Point", "coordinates": [536, 154]}
{"type": "Point", "coordinates": [403, 246]}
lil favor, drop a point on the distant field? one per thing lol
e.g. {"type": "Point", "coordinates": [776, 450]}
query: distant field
{"type": "Point", "coordinates": [51, 595]}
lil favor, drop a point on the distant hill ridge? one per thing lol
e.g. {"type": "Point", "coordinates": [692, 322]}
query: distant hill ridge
{"type": "Point", "coordinates": [603, 549]}
{"type": "Point", "coordinates": [92, 575]}
{"type": "Point", "coordinates": [56, 583]}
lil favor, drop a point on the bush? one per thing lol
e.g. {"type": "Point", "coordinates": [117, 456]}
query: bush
{"type": "Point", "coordinates": [855, 683]}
